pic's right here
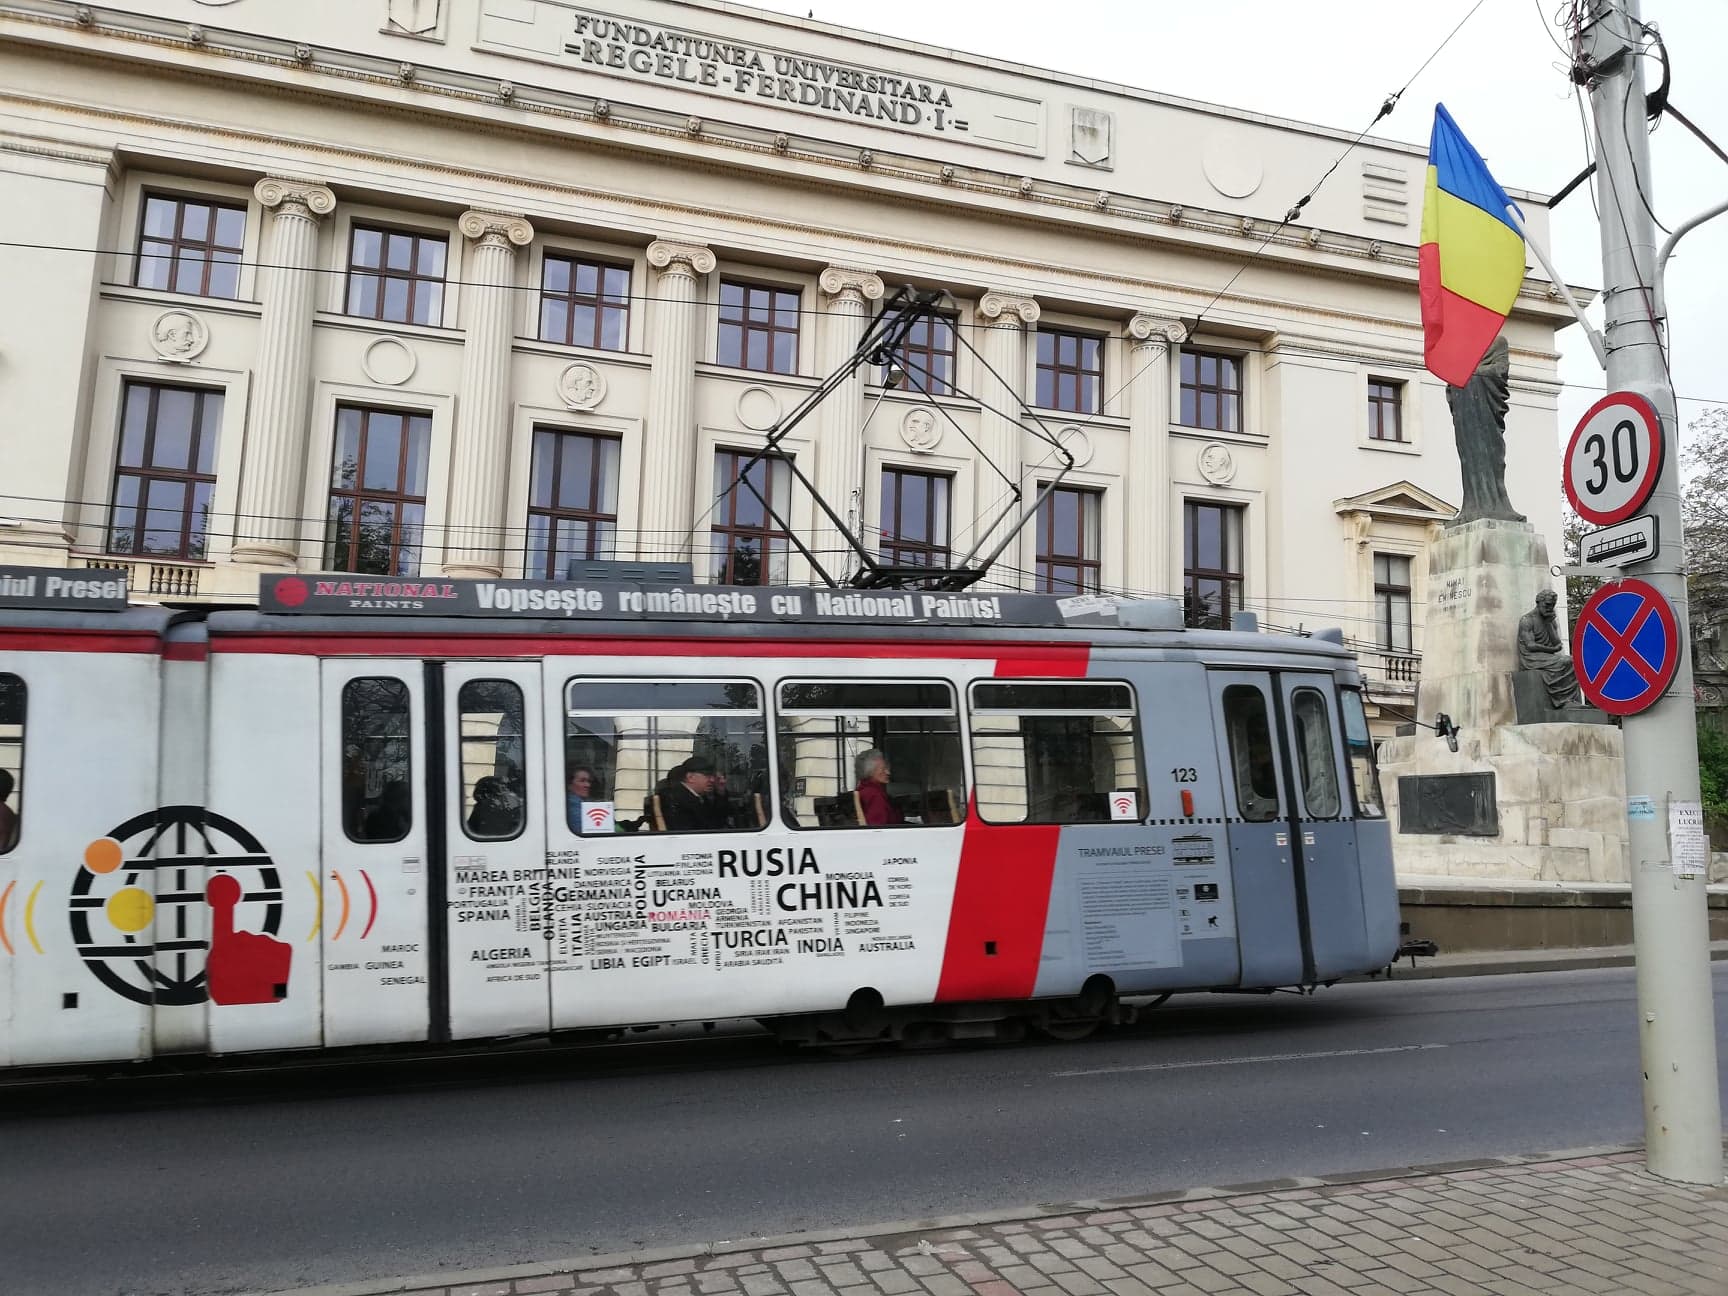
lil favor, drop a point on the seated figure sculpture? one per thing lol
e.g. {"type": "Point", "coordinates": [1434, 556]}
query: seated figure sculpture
{"type": "Point", "coordinates": [1541, 649]}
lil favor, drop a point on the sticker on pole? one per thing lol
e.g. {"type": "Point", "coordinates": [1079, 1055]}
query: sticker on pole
{"type": "Point", "coordinates": [1614, 458]}
{"type": "Point", "coordinates": [1628, 647]}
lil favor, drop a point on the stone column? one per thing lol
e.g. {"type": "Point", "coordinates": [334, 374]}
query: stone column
{"type": "Point", "coordinates": [840, 444]}
{"type": "Point", "coordinates": [669, 471]}
{"type": "Point", "coordinates": [1001, 390]}
{"type": "Point", "coordinates": [1151, 344]}
{"type": "Point", "coordinates": [480, 449]}
{"type": "Point", "coordinates": [267, 531]}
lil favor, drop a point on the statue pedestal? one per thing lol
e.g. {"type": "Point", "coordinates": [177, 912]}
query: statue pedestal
{"type": "Point", "coordinates": [1548, 800]}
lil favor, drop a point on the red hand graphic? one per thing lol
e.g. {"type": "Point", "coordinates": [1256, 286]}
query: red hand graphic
{"type": "Point", "coordinates": [243, 967]}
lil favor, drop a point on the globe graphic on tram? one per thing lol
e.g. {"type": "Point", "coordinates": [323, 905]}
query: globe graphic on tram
{"type": "Point", "coordinates": [144, 919]}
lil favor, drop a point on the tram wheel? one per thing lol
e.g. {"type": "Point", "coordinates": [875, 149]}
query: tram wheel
{"type": "Point", "coordinates": [1067, 1029]}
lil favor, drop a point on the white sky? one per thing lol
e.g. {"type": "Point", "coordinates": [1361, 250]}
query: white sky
{"type": "Point", "coordinates": [1334, 61]}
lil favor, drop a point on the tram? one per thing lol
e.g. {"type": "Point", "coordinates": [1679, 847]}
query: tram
{"type": "Point", "coordinates": [394, 812]}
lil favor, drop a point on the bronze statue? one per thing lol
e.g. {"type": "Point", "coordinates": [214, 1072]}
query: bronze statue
{"type": "Point", "coordinates": [1479, 426]}
{"type": "Point", "coordinates": [1541, 649]}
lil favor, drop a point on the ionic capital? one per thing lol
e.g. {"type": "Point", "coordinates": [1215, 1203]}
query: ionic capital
{"type": "Point", "coordinates": [845, 284]}
{"type": "Point", "coordinates": [1004, 310]}
{"type": "Point", "coordinates": [680, 258]}
{"type": "Point", "coordinates": [294, 197]}
{"type": "Point", "coordinates": [495, 229]}
{"type": "Point", "coordinates": [1156, 330]}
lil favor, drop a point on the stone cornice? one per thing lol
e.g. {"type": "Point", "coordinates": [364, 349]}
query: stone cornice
{"type": "Point", "coordinates": [848, 284]}
{"type": "Point", "coordinates": [1006, 310]}
{"type": "Point", "coordinates": [680, 258]}
{"type": "Point", "coordinates": [295, 197]}
{"type": "Point", "coordinates": [495, 229]}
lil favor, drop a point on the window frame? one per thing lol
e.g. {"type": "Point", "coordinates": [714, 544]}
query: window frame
{"type": "Point", "coordinates": [1196, 389]}
{"type": "Point", "coordinates": [465, 793]}
{"type": "Point", "coordinates": [360, 494]}
{"type": "Point", "coordinates": [726, 511]}
{"type": "Point", "coordinates": [1136, 737]}
{"type": "Point", "coordinates": [1386, 603]}
{"type": "Point", "coordinates": [23, 742]}
{"type": "Point", "coordinates": [1237, 768]}
{"type": "Point", "coordinates": [146, 473]}
{"type": "Point", "coordinates": [1386, 395]}
{"type": "Point", "coordinates": [1046, 559]}
{"type": "Point", "coordinates": [1308, 779]}
{"type": "Point", "coordinates": [1086, 379]}
{"type": "Point", "coordinates": [601, 302]}
{"type": "Point", "coordinates": [1227, 578]}
{"type": "Point", "coordinates": [345, 735]}
{"type": "Point", "coordinates": [176, 244]}
{"type": "Point", "coordinates": [894, 551]}
{"type": "Point", "coordinates": [931, 378]}
{"type": "Point", "coordinates": [383, 274]}
{"type": "Point", "coordinates": [601, 543]}
{"type": "Point", "coordinates": [746, 326]}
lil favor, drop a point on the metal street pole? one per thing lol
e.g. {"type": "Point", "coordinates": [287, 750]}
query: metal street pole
{"type": "Point", "coordinates": [1671, 938]}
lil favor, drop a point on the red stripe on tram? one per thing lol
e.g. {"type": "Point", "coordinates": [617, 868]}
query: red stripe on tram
{"type": "Point", "coordinates": [1002, 888]}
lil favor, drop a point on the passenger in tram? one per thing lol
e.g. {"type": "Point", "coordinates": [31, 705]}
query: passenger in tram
{"type": "Point", "coordinates": [873, 800]}
{"type": "Point", "coordinates": [684, 796]}
{"type": "Point", "coordinates": [497, 811]}
{"type": "Point", "coordinates": [8, 816]}
{"type": "Point", "coordinates": [391, 818]}
{"type": "Point", "coordinates": [581, 789]}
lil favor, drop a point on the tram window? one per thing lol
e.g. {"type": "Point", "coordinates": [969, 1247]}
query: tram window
{"type": "Point", "coordinates": [1252, 755]}
{"type": "Point", "coordinates": [377, 786]}
{"type": "Point", "coordinates": [858, 754]}
{"type": "Point", "coordinates": [1359, 744]}
{"type": "Point", "coordinates": [1056, 753]}
{"type": "Point", "coordinates": [494, 785]}
{"type": "Point", "coordinates": [665, 755]}
{"type": "Point", "coordinates": [1314, 759]}
{"type": "Point", "coordinates": [11, 762]}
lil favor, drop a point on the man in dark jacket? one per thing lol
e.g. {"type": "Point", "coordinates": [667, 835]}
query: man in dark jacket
{"type": "Point", "coordinates": [684, 803]}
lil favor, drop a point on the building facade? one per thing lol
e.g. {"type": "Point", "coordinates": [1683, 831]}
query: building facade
{"type": "Point", "coordinates": [480, 288]}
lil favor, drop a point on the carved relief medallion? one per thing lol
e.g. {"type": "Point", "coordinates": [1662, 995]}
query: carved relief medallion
{"type": "Point", "coordinates": [179, 336]}
{"type": "Point", "coordinates": [921, 430]}
{"type": "Point", "coordinates": [389, 361]}
{"type": "Point", "coordinates": [1217, 465]}
{"type": "Point", "coordinates": [581, 386]}
{"type": "Point", "coordinates": [1076, 441]}
{"type": "Point", "coordinates": [758, 408]}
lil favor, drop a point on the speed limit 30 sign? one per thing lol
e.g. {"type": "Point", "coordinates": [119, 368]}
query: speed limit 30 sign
{"type": "Point", "coordinates": [1614, 458]}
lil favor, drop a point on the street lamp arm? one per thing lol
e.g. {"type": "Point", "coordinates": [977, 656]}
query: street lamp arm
{"type": "Point", "coordinates": [1685, 227]}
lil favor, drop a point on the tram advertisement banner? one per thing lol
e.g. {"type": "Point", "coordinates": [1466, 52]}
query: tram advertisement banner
{"type": "Point", "coordinates": [340, 595]}
{"type": "Point", "coordinates": [64, 589]}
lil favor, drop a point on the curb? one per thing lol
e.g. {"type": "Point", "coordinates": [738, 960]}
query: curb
{"type": "Point", "coordinates": [1505, 962]}
{"type": "Point", "coordinates": [896, 1228]}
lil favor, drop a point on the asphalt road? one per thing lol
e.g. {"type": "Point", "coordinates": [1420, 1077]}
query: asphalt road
{"type": "Point", "coordinates": [265, 1182]}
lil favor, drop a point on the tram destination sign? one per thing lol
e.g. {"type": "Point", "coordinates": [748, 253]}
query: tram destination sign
{"type": "Point", "coordinates": [693, 604]}
{"type": "Point", "coordinates": [63, 589]}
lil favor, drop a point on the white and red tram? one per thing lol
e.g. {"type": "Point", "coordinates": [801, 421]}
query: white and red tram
{"type": "Point", "coordinates": [394, 812]}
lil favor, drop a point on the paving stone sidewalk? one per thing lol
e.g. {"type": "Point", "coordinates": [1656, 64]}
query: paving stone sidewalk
{"type": "Point", "coordinates": [1573, 1223]}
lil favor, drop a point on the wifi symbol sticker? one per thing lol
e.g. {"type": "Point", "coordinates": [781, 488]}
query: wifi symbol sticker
{"type": "Point", "coordinates": [1124, 805]}
{"type": "Point", "coordinates": [597, 818]}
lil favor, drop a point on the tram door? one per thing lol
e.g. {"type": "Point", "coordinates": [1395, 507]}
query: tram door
{"type": "Point", "coordinates": [493, 848]}
{"type": "Point", "coordinates": [1264, 850]}
{"type": "Point", "coordinates": [1322, 829]}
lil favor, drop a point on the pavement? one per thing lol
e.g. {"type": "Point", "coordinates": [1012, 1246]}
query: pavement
{"type": "Point", "coordinates": [1586, 1221]}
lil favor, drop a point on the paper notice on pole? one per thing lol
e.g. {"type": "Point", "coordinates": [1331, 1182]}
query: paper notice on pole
{"type": "Point", "coordinates": [1688, 847]}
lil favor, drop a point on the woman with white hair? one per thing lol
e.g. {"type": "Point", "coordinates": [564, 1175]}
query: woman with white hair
{"type": "Point", "coordinates": [873, 799]}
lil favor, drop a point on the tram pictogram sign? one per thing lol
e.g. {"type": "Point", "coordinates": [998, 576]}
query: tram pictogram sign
{"type": "Point", "coordinates": [1614, 458]}
{"type": "Point", "coordinates": [1626, 646]}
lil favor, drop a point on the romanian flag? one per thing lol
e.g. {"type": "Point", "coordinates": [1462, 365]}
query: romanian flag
{"type": "Point", "coordinates": [1472, 258]}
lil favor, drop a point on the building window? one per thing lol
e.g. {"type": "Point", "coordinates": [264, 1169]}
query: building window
{"type": "Point", "coordinates": [748, 545]}
{"type": "Point", "coordinates": [1392, 601]}
{"type": "Point", "coordinates": [1068, 541]}
{"type": "Point", "coordinates": [165, 473]}
{"type": "Point", "coordinates": [378, 491]}
{"type": "Point", "coordinates": [923, 361]}
{"type": "Point", "coordinates": [584, 303]}
{"type": "Point", "coordinates": [1211, 391]}
{"type": "Point", "coordinates": [1070, 371]}
{"type": "Point", "coordinates": [396, 276]}
{"type": "Point", "coordinates": [914, 518]}
{"type": "Point", "coordinates": [572, 501]}
{"type": "Point", "coordinates": [1385, 410]}
{"type": "Point", "coordinates": [189, 245]}
{"type": "Point", "coordinates": [1211, 564]}
{"type": "Point", "coordinates": [759, 328]}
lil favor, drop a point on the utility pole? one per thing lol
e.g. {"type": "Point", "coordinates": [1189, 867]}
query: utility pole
{"type": "Point", "coordinates": [1671, 937]}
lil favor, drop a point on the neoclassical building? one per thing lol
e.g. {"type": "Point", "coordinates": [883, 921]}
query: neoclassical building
{"type": "Point", "coordinates": [487, 287]}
